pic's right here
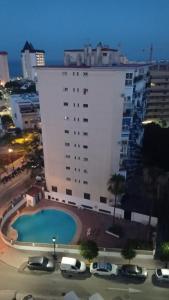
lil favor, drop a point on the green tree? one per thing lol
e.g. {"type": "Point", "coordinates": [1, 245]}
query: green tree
{"type": "Point", "coordinates": [88, 249]}
{"type": "Point", "coordinates": [128, 253]}
{"type": "Point", "coordinates": [164, 253]}
{"type": "Point", "coordinates": [116, 186]}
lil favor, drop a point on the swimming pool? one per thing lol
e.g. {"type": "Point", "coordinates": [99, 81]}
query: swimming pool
{"type": "Point", "coordinates": [43, 225]}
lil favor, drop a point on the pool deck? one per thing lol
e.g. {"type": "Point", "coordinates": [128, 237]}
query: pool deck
{"type": "Point", "coordinates": [92, 225]}
{"type": "Point", "coordinates": [97, 223]}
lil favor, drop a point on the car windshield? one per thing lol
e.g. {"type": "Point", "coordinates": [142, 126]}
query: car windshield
{"type": "Point", "coordinates": [45, 261]}
{"type": "Point", "coordinates": [78, 264]}
{"type": "Point", "coordinates": [139, 270]}
{"type": "Point", "coordinates": [159, 273]}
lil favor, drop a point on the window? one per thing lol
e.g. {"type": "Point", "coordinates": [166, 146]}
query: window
{"type": "Point", "coordinates": [64, 73]}
{"type": "Point", "coordinates": [85, 73]}
{"type": "Point", "coordinates": [75, 145]}
{"type": "Point", "coordinates": [54, 188]}
{"type": "Point", "coordinates": [73, 89]}
{"type": "Point", "coordinates": [65, 89]}
{"type": "Point", "coordinates": [128, 82]}
{"type": "Point", "coordinates": [66, 131]}
{"type": "Point", "coordinates": [67, 156]}
{"type": "Point", "coordinates": [85, 91]}
{"type": "Point", "coordinates": [85, 120]}
{"type": "Point", "coordinates": [104, 54]}
{"type": "Point", "coordinates": [74, 132]}
{"type": "Point", "coordinates": [85, 159]}
{"type": "Point", "coordinates": [75, 157]}
{"type": "Point", "coordinates": [67, 144]}
{"type": "Point", "coordinates": [77, 73]}
{"type": "Point", "coordinates": [73, 73]}
{"type": "Point", "coordinates": [85, 105]}
{"type": "Point", "coordinates": [85, 133]}
{"type": "Point", "coordinates": [68, 192]}
{"type": "Point", "coordinates": [78, 157]}
{"type": "Point", "coordinates": [85, 182]}
{"type": "Point", "coordinates": [86, 196]}
{"type": "Point", "coordinates": [78, 90]}
{"type": "Point", "coordinates": [66, 118]}
{"type": "Point", "coordinates": [78, 146]}
{"type": "Point", "coordinates": [74, 119]}
{"type": "Point", "coordinates": [78, 105]}
{"type": "Point", "coordinates": [85, 171]}
{"type": "Point", "coordinates": [103, 200]}
{"type": "Point", "coordinates": [65, 103]}
{"type": "Point", "coordinates": [67, 168]}
{"type": "Point", "coordinates": [85, 146]}
{"type": "Point", "coordinates": [26, 122]}
{"type": "Point", "coordinates": [68, 178]}
{"type": "Point", "coordinates": [129, 75]}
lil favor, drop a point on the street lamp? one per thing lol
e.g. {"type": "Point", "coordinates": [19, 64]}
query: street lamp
{"type": "Point", "coordinates": [54, 247]}
{"type": "Point", "coordinates": [11, 161]}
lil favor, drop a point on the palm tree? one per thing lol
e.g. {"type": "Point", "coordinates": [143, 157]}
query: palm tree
{"type": "Point", "coordinates": [116, 186]}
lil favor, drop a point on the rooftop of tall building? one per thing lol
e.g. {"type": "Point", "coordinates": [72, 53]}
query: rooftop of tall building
{"type": "Point", "coordinates": [29, 47]}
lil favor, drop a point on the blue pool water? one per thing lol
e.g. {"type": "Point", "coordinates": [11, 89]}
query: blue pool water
{"type": "Point", "coordinates": [42, 226]}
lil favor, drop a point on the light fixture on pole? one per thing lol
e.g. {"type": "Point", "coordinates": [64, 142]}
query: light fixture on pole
{"type": "Point", "coordinates": [54, 247]}
{"type": "Point", "coordinates": [10, 151]}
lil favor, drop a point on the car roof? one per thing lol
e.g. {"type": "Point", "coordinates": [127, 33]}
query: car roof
{"type": "Point", "coordinates": [69, 261]}
{"type": "Point", "coordinates": [35, 259]}
{"type": "Point", "coordinates": [129, 267]}
{"type": "Point", "coordinates": [102, 265]}
{"type": "Point", "coordinates": [165, 272]}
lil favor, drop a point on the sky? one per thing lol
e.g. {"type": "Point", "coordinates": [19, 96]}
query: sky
{"type": "Point", "coordinates": [55, 25]}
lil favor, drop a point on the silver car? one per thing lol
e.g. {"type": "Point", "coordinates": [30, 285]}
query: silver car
{"type": "Point", "coordinates": [103, 269]}
{"type": "Point", "coordinates": [162, 275]}
{"type": "Point", "coordinates": [41, 263]}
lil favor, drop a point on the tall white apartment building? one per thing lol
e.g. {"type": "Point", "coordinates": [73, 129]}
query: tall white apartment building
{"type": "Point", "coordinates": [4, 70]}
{"type": "Point", "coordinates": [86, 136]}
{"type": "Point", "coordinates": [31, 58]}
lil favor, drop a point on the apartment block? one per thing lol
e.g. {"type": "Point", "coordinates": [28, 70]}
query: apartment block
{"type": "Point", "coordinates": [91, 128]}
{"type": "Point", "coordinates": [102, 55]}
{"type": "Point", "coordinates": [25, 111]}
{"type": "Point", "coordinates": [4, 70]}
{"type": "Point", "coordinates": [158, 93]}
{"type": "Point", "coordinates": [31, 58]}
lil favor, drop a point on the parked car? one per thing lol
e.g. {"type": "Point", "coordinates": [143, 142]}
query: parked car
{"type": "Point", "coordinates": [100, 268]}
{"type": "Point", "coordinates": [133, 271]}
{"type": "Point", "coordinates": [40, 263]}
{"type": "Point", "coordinates": [162, 275]}
{"type": "Point", "coordinates": [69, 264]}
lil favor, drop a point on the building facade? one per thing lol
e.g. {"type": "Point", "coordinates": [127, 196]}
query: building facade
{"type": "Point", "coordinates": [158, 93]}
{"type": "Point", "coordinates": [4, 70]}
{"type": "Point", "coordinates": [88, 56]}
{"type": "Point", "coordinates": [90, 128]}
{"type": "Point", "coordinates": [30, 58]}
{"type": "Point", "coordinates": [25, 111]}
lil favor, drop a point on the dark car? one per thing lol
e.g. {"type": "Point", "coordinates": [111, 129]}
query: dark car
{"type": "Point", "coordinates": [40, 263]}
{"type": "Point", "coordinates": [133, 271]}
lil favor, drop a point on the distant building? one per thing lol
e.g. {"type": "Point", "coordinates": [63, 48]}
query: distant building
{"type": "Point", "coordinates": [31, 57]}
{"type": "Point", "coordinates": [91, 128]}
{"type": "Point", "coordinates": [25, 111]}
{"type": "Point", "coordinates": [4, 70]}
{"type": "Point", "coordinates": [99, 56]}
{"type": "Point", "coordinates": [158, 93]}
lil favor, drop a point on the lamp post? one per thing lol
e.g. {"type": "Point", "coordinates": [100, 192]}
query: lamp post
{"type": "Point", "coordinates": [54, 247]}
{"type": "Point", "coordinates": [11, 161]}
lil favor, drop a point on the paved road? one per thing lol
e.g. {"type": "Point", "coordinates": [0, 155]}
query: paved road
{"type": "Point", "coordinates": [14, 187]}
{"type": "Point", "coordinates": [52, 286]}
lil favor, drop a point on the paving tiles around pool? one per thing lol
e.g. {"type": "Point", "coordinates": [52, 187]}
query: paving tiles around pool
{"type": "Point", "coordinates": [92, 225]}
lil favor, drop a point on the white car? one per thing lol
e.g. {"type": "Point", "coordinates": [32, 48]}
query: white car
{"type": "Point", "coordinates": [101, 268]}
{"type": "Point", "coordinates": [162, 275]}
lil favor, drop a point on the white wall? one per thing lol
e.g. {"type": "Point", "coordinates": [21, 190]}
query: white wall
{"type": "Point", "coordinates": [104, 113]}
